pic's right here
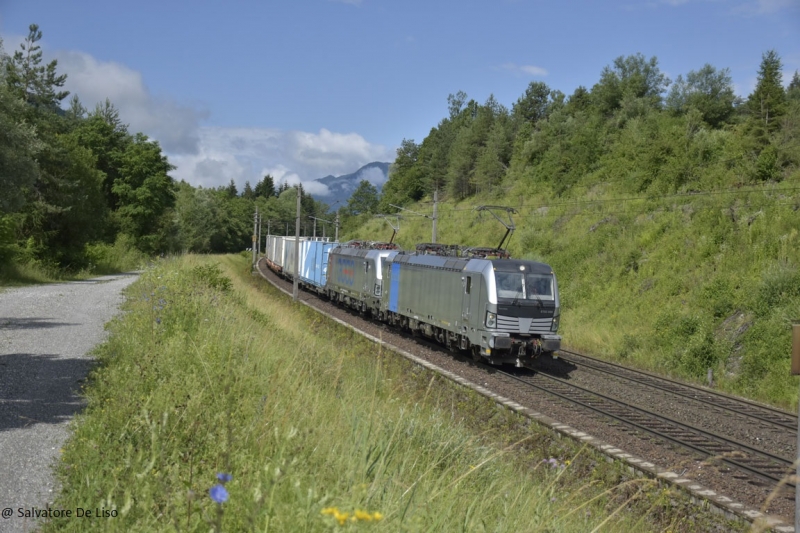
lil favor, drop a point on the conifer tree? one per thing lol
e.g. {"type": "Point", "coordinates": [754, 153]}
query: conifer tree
{"type": "Point", "coordinates": [29, 79]}
{"type": "Point", "coordinates": [768, 101]}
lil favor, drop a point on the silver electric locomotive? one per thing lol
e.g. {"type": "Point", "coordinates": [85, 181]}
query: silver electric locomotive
{"type": "Point", "coordinates": [502, 310]}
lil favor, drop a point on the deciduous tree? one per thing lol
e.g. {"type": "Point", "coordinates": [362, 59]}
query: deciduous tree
{"type": "Point", "coordinates": [632, 76]}
{"type": "Point", "coordinates": [708, 90]}
{"type": "Point", "coordinates": [364, 200]}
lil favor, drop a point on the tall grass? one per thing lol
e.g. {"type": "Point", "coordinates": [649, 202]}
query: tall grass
{"type": "Point", "coordinates": [209, 372]}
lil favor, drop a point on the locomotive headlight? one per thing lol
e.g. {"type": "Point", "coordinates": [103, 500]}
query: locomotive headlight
{"type": "Point", "coordinates": [491, 319]}
{"type": "Point", "coordinates": [556, 320]}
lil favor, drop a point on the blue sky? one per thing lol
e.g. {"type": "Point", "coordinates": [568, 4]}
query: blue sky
{"type": "Point", "coordinates": [306, 88]}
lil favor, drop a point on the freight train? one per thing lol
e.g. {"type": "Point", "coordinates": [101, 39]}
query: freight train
{"type": "Point", "coordinates": [476, 300]}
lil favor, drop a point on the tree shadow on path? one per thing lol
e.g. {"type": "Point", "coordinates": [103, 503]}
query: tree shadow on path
{"type": "Point", "coordinates": [40, 388]}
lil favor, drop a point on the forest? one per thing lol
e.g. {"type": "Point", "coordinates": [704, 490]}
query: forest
{"type": "Point", "coordinates": [634, 128]}
{"type": "Point", "coordinates": [82, 193]}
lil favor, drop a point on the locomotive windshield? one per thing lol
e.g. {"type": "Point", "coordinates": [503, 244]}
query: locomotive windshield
{"type": "Point", "coordinates": [524, 286]}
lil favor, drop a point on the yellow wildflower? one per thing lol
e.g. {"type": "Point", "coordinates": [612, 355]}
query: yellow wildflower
{"type": "Point", "coordinates": [362, 515]}
{"type": "Point", "coordinates": [377, 516]}
{"type": "Point", "coordinates": [341, 517]}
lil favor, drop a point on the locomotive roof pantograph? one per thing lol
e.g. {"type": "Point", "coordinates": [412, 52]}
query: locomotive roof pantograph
{"type": "Point", "coordinates": [510, 227]}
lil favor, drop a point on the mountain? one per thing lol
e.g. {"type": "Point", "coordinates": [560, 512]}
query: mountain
{"type": "Point", "coordinates": [342, 187]}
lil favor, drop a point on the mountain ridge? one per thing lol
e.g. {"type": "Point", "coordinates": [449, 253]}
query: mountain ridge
{"type": "Point", "coordinates": [342, 187]}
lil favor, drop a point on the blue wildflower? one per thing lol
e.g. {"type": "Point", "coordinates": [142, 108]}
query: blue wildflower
{"type": "Point", "coordinates": [224, 477]}
{"type": "Point", "coordinates": [218, 494]}
{"type": "Point", "coordinates": [158, 320]}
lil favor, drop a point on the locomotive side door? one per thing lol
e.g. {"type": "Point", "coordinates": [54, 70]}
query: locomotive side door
{"type": "Point", "coordinates": [467, 284]}
{"type": "Point", "coordinates": [368, 272]}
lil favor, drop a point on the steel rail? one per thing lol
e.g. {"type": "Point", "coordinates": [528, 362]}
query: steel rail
{"type": "Point", "coordinates": [714, 446]}
{"type": "Point", "coordinates": [740, 406]}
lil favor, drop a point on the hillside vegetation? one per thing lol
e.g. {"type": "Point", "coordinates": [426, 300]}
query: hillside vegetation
{"type": "Point", "coordinates": [669, 212]}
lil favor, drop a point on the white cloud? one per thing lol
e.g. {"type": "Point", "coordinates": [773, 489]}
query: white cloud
{"type": "Point", "coordinates": [750, 8]}
{"type": "Point", "coordinates": [530, 70]}
{"type": "Point", "coordinates": [373, 175]}
{"type": "Point", "coordinates": [772, 6]}
{"type": "Point", "coordinates": [213, 156]}
{"type": "Point", "coordinates": [173, 124]}
{"type": "Point", "coordinates": [292, 157]}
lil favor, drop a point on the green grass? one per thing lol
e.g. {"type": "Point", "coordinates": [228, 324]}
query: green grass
{"type": "Point", "coordinates": [210, 370]}
{"type": "Point", "coordinates": [677, 284]}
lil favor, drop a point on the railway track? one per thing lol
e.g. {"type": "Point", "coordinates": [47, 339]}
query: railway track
{"type": "Point", "coordinates": [760, 413]}
{"type": "Point", "coordinates": [764, 465]}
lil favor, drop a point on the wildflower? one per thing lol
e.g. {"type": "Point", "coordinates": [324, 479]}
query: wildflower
{"type": "Point", "coordinates": [158, 320]}
{"type": "Point", "coordinates": [218, 494]}
{"type": "Point", "coordinates": [223, 477]}
{"type": "Point", "coordinates": [357, 515]}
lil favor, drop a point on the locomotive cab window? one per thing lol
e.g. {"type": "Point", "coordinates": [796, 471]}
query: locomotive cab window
{"type": "Point", "coordinates": [524, 286]}
{"type": "Point", "coordinates": [366, 267]}
{"type": "Point", "coordinates": [468, 285]}
{"type": "Point", "coordinates": [539, 286]}
{"type": "Point", "coordinates": [510, 284]}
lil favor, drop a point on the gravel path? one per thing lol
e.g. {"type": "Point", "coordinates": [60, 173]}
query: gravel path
{"type": "Point", "coordinates": [45, 334]}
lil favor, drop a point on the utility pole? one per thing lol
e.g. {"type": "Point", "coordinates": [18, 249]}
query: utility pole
{"type": "Point", "coordinates": [315, 225]}
{"type": "Point", "coordinates": [435, 213]}
{"type": "Point", "coordinates": [266, 239]}
{"type": "Point", "coordinates": [336, 238]}
{"type": "Point", "coordinates": [255, 228]}
{"type": "Point", "coordinates": [259, 234]}
{"type": "Point", "coordinates": [295, 284]}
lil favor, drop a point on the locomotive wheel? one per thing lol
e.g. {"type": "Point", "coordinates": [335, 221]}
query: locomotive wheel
{"type": "Point", "coordinates": [476, 354]}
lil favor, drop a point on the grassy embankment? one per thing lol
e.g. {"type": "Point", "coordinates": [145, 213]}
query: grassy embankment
{"type": "Point", "coordinates": [213, 371]}
{"type": "Point", "coordinates": [676, 284]}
